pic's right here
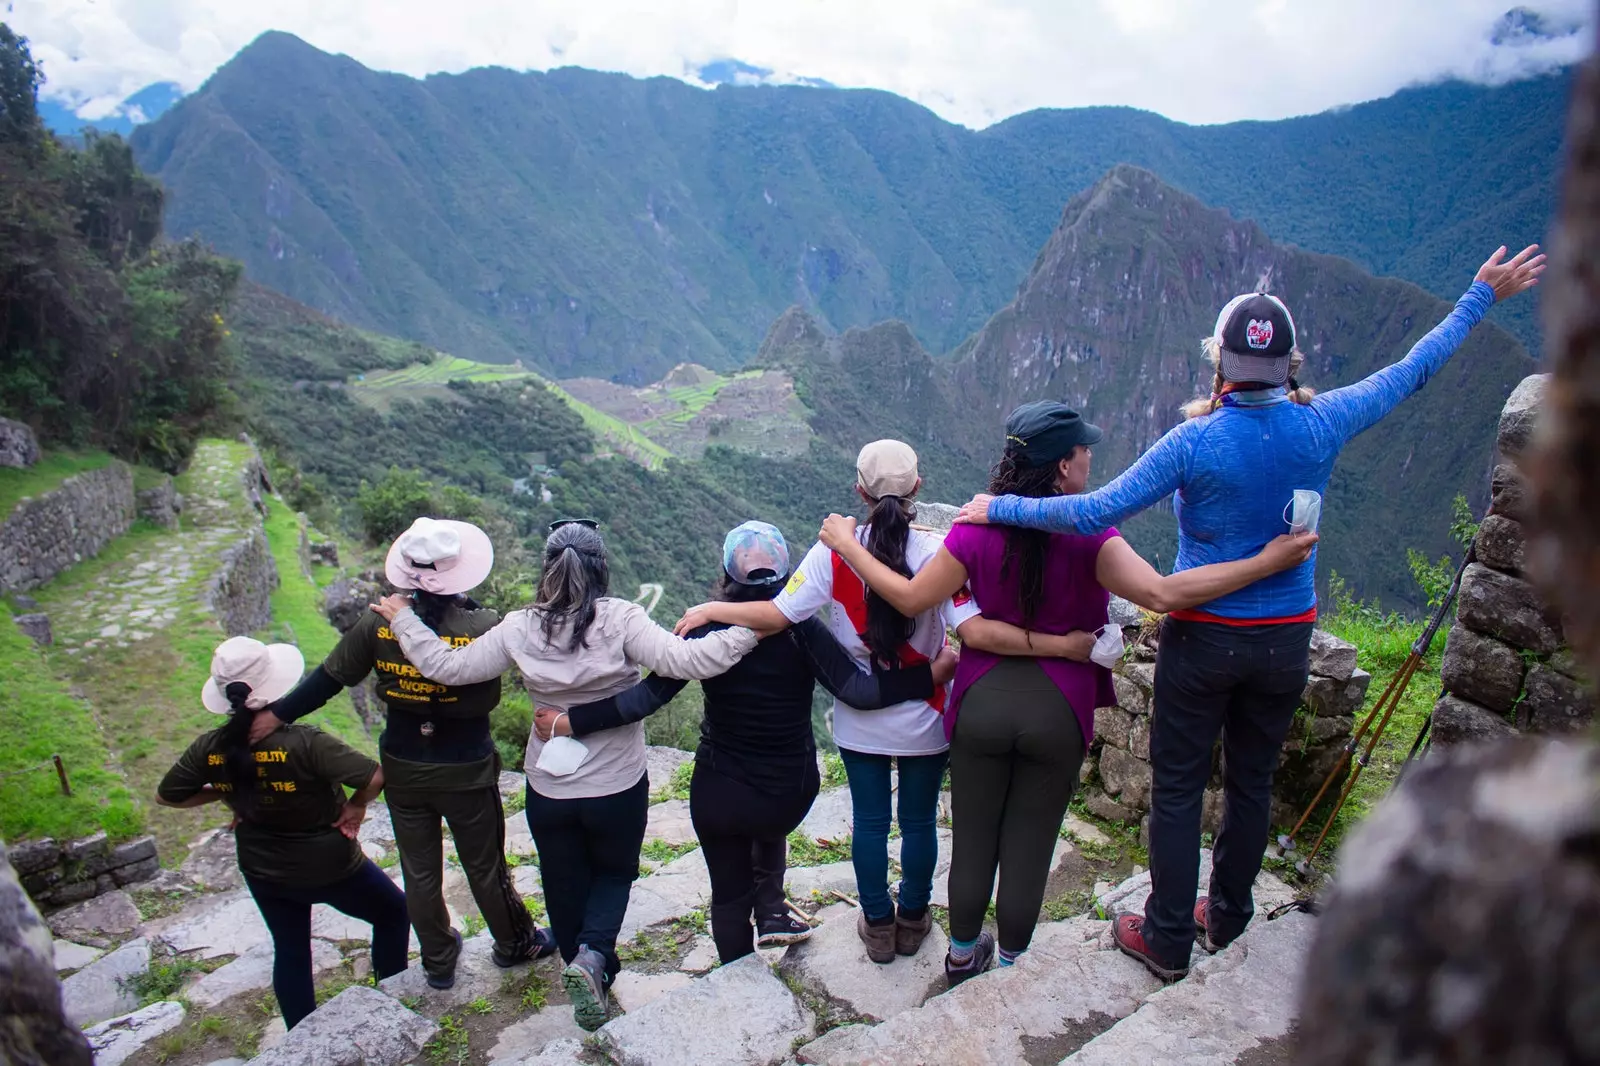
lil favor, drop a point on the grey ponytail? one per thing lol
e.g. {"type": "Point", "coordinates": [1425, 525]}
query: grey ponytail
{"type": "Point", "coordinates": [576, 574]}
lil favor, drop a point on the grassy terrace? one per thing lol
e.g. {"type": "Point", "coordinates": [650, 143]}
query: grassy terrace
{"type": "Point", "coordinates": [48, 473]}
{"type": "Point", "coordinates": [39, 717]}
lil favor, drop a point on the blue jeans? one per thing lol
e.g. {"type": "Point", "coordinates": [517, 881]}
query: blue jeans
{"type": "Point", "coordinates": [920, 777]}
{"type": "Point", "coordinates": [366, 895]}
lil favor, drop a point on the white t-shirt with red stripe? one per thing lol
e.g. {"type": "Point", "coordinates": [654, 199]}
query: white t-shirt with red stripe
{"type": "Point", "coordinates": [822, 578]}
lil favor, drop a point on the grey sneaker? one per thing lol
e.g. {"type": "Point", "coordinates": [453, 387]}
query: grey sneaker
{"type": "Point", "coordinates": [585, 982]}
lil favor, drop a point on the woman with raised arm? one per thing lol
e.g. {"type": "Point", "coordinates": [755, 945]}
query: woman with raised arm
{"type": "Point", "coordinates": [1253, 458]}
{"type": "Point", "coordinates": [588, 800]}
{"type": "Point", "coordinates": [295, 828]}
{"type": "Point", "coordinates": [755, 772]}
{"type": "Point", "coordinates": [1020, 725]}
{"type": "Point", "coordinates": [909, 735]}
{"type": "Point", "coordinates": [438, 758]}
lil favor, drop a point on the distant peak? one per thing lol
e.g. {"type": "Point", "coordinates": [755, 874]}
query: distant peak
{"type": "Point", "coordinates": [1523, 26]}
{"type": "Point", "coordinates": [795, 332]}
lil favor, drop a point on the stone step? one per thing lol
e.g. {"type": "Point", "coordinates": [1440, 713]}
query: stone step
{"type": "Point", "coordinates": [1064, 990]}
{"type": "Point", "coordinates": [1241, 1000]}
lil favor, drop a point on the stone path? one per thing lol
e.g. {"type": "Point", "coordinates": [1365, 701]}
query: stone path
{"type": "Point", "coordinates": [1072, 998]}
{"type": "Point", "coordinates": [163, 578]}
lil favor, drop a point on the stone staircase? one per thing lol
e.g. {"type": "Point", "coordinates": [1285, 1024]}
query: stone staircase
{"type": "Point", "coordinates": [1072, 998]}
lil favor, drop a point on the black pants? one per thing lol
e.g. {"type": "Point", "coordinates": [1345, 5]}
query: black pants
{"type": "Point", "coordinates": [1014, 762]}
{"type": "Point", "coordinates": [478, 826]}
{"type": "Point", "coordinates": [367, 895]}
{"type": "Point", "coordinates": [1244, 682]}
{"type": "Point", "coordinates": [588, 861]}
{"type": "Point", "coordinates": [743, 833]}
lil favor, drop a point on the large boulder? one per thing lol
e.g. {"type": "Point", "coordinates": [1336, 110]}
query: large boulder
{"type": "Point", "coordinates": [345, 602]}
{"type": "Point", "coordinates": [18, 446]}
{"type": "Point", "coordinates": [1461, 925]}
{"type": "Point", "coordinates": [100, 990]}
{"type": "Point", "coordinates": [117, 1040]}
{"type": "Point", "coordinates": [359, 1025]}
{"type": "Point", "coordinates": [1481, 669]}
{"type": "Point", "coordinates": [1520, 416]}
{"type": "Point", "coordinates": [1332, 656]}
{"type": "Point", "coordinates": [1459, 721]}
{"type": "Point", "coordinates": [1505, 607]}
{"type": "Point", "coordinates": [832, 966]}
{"type": "Point", "coordinates": [34, 1030]}
{"type": "Point", "coordinates": [739, 1015]}
{"type": "Point", "coordinates": [1555, 703]}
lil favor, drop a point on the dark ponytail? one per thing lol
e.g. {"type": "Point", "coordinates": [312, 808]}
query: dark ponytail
{"type": "Point", "coordinates": [431, 607]}
{"type": "Point", "coordinates": [1025, 549]}
{"type": "Point", "coordinates": [241, 761]}
{"type": "Point", "coordinates": [888, 532]}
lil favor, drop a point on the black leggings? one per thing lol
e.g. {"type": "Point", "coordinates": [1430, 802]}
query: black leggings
{"type": "Point", "coordinates": [367, 895]}
{"type": "Point", "coordinates": [743, 836]}
{"type": "Point", "coordinates": [1014, 764]}
{"type": "Point", "coordinates": [588, 861]}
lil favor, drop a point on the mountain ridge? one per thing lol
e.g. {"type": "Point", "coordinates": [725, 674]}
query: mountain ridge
{"type": "Point", "coordinates": [580, 219]}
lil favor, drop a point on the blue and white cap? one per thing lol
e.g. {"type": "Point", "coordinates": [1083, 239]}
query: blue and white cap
{"type": "Point", "coordinates": [755, 554]}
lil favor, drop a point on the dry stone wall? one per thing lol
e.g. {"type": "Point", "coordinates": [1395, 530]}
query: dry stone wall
{"type": "Point", "coordinates": [48, 533]}
{"type": "Point", "coordinates": [57, 874]}
{"type": "Point", "coordinates": [1117, 776]}
{"type": "Point", "coordinates": [1506, 667]}
{"type": "Point", "coordinates": [34, 1030]}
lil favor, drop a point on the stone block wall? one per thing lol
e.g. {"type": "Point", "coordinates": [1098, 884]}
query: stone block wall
{"type": "Point", "coordinates": [56, 874]}
{"type": "Point", "coordinates": [48, 533]}
{"type": "Point", "coordinates": [1117, 776]}
{"type": "Point", "coordinates": [1506, 667]}
{"type": "Point", "coordinates": [240, 593]}
{"type": "Point", "coordinates": [160, 504]}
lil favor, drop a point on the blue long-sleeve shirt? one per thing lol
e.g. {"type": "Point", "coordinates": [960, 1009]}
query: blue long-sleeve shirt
{"type": "Point", "coordinates": [1234, 472]}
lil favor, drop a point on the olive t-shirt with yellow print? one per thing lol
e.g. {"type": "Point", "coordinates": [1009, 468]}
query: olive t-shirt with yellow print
{"type": "Point", "coordinates": [427, 721]}
{"type": "Point", "coordinates": [285, 833]}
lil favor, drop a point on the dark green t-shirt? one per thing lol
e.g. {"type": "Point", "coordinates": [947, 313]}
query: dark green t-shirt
{"type": "Point", "coordinates": [428, 722]}
{"type": "Point", "coordinates": [285, 833]}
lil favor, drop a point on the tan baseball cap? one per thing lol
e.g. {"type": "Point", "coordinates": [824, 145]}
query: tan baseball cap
{"type": "Point", "coordinates": [887, 468]}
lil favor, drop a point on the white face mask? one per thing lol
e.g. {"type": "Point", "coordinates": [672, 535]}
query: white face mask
{"type": "Point", "coordinates": [561, 756]}
{"type": "Point", "coordinates": [1107, 651]}
{"type": "Point", "coordinates": [1303, 512]}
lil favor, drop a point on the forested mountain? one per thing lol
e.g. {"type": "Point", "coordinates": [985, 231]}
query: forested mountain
{"type": "Point", "coordinates": [601, 225]}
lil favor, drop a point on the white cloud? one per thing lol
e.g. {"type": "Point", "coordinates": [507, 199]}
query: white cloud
{"type": "Point", "coordinates": [972, 61]}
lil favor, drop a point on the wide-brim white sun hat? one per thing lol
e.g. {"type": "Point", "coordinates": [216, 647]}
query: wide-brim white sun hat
{"type": "Point", "coordinates": [270, 670]}
{"type": "Point", "coordinates": [440, 555]}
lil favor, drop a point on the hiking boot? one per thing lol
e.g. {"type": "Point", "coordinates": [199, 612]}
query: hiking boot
{"type": "Point", "coordinates": [909, 933]}
{"type": "Point", "coordinates": [443, 980]}
{"type": "Point", "coordinates": [774, 931]}
{"type": "Point", "coordinates": [982, 958]}
{"type": "Point", "coordinates": [541, 945]}
{"type": "Point", "coordinates": [1128, 931]}
{"type": "Point", "coordinates": [585, 982]}
{"type": "Point", "coordinates": [1202, 932]}
{"type": "Point", "coordinates": [879, 939]}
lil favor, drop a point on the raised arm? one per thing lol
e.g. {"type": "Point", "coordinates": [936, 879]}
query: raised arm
{"type": "Point", "coordinates": [486, 657]}
{"type": "Point", "coordinates": [1002, 638]}
{"type": "Point", "coordinates": [1121, 570]}
{"type": "Point", "coordinates": [652, 647]}
{"type": "Point", "coordinates": [1154, 476]}
{"type": "Point", "coordinates": [837, 671]}
{"type": "Point", "coordinates": [936, 582]}
{"type": "Point", "coordinates": [1356, 408]}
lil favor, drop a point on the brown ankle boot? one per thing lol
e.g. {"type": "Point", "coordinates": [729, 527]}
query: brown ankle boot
{"type": "Point", "coordinates": [909, 933]}
{"type": "Point", "coordinates": [879, 939]}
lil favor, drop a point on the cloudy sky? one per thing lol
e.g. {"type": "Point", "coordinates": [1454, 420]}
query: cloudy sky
{"type": "Point", "coordinates": [972, 61]}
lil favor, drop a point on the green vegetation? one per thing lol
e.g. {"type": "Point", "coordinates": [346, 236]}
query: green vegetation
{"type": "Point", "coordinates": [242, 1037]}
{"type": "Point", "coordinates": [803, 851]}
{"type": "Point", "coordinates": [113, 339]}
{"type": "Point", "coordinates": [659, 851]}
{"type": "Point", "coordinates": [40, 718]}
{"type": "Point", "coordinates": [451, 1044]}
{"type": "Point", "coordinates": [527, 988]}
{"type": "Point", "coordinates": [166, 976]}
{"type": "Point", "coordinates": [677, 786]}
{"type": "Point", "coordinates": [47, 474]}
{"type": "Point", "coordinates": [297, 619]}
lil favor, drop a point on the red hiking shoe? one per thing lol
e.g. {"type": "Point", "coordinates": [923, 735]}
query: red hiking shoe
{"type": "Point", "coordinates": [1202, 932]}
{"type": "Point", "coordinates": [1128, 931]}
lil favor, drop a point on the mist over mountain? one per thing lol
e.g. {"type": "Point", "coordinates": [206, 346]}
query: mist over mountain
{"type": "Point", "coordinates": [614, 227]}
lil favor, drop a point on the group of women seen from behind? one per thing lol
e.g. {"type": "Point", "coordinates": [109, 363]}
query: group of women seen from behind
{"type": "Point", "coordinates": [867, 613]}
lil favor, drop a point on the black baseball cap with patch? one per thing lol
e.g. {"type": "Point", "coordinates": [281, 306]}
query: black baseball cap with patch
{"type": "Point", "coordinates": [1255, 333]}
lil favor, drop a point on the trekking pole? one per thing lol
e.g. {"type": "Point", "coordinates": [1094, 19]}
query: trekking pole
{"type": "Point", "coordinates": [1387, 704]}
